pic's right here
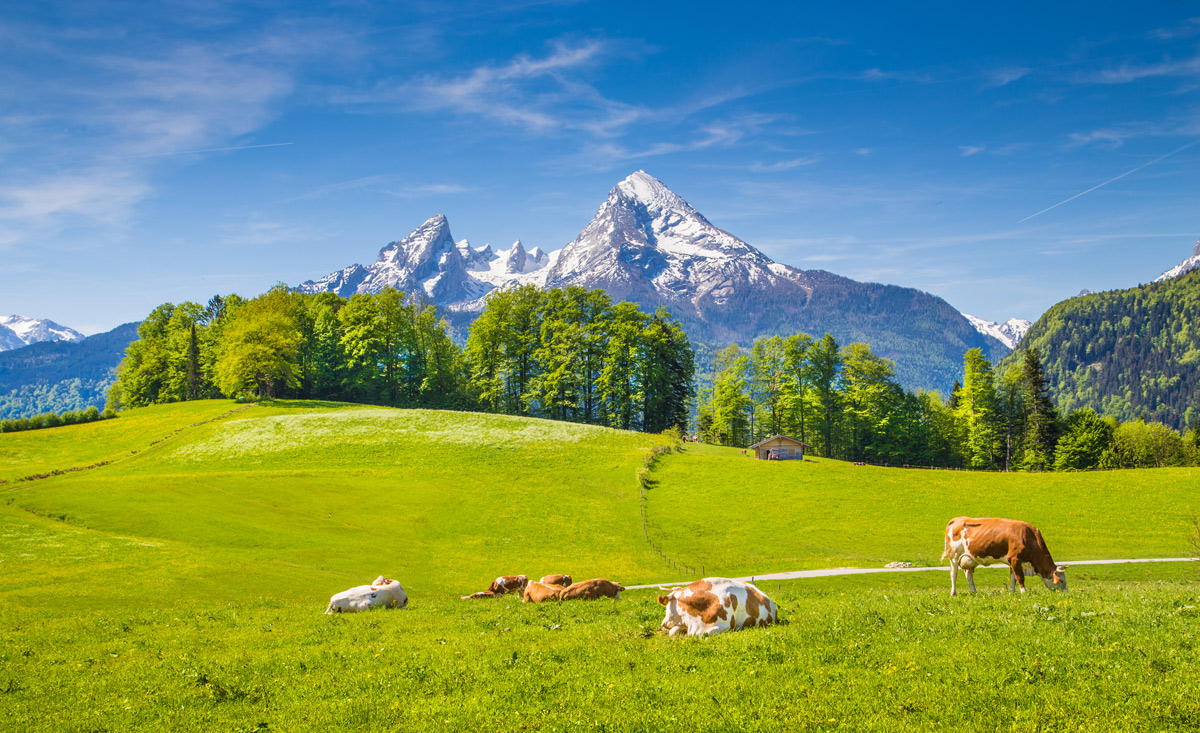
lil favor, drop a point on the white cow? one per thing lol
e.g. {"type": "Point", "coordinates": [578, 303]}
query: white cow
{"type": "Point", "coordinates": [713, 605]}
{"type": "Point", "coordinates": [381, 593]}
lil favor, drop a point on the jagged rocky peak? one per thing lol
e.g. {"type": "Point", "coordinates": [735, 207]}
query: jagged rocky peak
{"type": "Point", "coordinates": [1008, 333]}
{"type": "Point", "coordinates": [515, 259]}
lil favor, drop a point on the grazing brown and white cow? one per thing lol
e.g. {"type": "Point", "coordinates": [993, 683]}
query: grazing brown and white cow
{"type": "Point", "coordinates": [713, 605]}
{"type": "Point", "coordinates": [381, 593]}
{"type": "Point", "coordinates": [590, 590]}
{"type": "Point", "coordinates": [563, 580]}
{"type": "Point", "coordinates": [974, 542]}
{"type": "Point", "coordinates": [508, 584]}
{"type": "Point", "coordinates": [539, 592]}
{"type": "Point", "coordinates": [480, 594]}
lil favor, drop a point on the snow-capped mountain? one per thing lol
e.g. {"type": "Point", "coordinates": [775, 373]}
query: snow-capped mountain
{"type": "Point", "coordinates": [18, 331]}
{"type": "Point", "coordinates": [430, 262]}
{"type": "Point", "coordinates": [647, 244]}
{"type": "Point", "coordinates": [1008, 333]}
{"type": "Point", "coordinates": [1191, 263]}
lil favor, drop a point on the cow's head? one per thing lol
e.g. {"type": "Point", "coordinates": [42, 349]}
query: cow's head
{"type": "Point", "coordinates": [1058, 579]}
{"type": "Point", "coordinates": [674, 616]}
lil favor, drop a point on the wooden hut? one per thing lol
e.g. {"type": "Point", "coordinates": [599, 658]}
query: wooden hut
{"type": "Point", "coordinates": [779, 448]}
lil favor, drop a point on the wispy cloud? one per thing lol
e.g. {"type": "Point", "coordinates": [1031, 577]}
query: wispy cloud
{"type": "Point", "coordinates": [430, 189]}
{"type": "Point", "coordinates": [968, 150]}
{"type": "Point", "coordinates": [262, 232]}
{"type": "Point", "coordinates": [1187, 29]}
{"type": "Point", "coordinates": [785, 165]}
{"type": "Point", "coordinates": [1006, 76]}
{"type": "Point", "coordinates": [1127, 73]}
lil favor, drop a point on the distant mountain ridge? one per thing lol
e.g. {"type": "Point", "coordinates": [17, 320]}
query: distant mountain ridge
{"type": "Point", "coordinates": [61, 375]}
{"type": "Point", "coordinates": [647, 244]}
{"type": "Point", "coordinates": [19, 331]}
{"type": "Point", "coordinates": [1008, 333]}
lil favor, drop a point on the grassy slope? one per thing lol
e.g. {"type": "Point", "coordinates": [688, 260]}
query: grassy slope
{"type": "Point", "coordinates": [184, 590]}
{"type": "Point", "coordinates": [740, 516]}
{"type": "Point", "coordinates": [298, 502]}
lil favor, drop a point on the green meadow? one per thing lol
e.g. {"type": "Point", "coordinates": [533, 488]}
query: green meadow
{"type": "Point", "coordinates": [181, 585]}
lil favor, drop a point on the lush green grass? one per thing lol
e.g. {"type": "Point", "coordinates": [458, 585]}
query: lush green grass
{"type": "Point", "coordinates": [181, 588]}
{"type": "Point", "coordinates": [298, 501]}
{"type": "Point", "coordinates": [71, 446]}
{"type": "Point", "coordinates": [892, 653]}
{"type": "Point", "coordinates": [738, 516]}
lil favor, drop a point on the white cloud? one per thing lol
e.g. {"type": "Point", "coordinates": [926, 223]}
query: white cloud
{"type": "Point", "coordinates": [968, 150]}
{"type": "Point", "coordinates": [1127, 73]}
{"type": "Point", "coordinates": [1006, 76]}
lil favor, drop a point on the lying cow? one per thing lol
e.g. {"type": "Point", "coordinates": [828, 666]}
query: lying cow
{"type": "Point", "coordinates": [590, 590]}
{"type": "Point", "coordinates": [540, 592]}
{"type": "Point", "coordinates": [974, 542]}
{"type": "Point", "coordinates": [714, 605]}
{"type": "Point", "coordinates": [508, 584]}
{"type": "Point", "coordinates": [563, 580]}
{"type": "Point", "coordinates": [480, 594]}
{"type": "Point", "coordinates": [381, 593]}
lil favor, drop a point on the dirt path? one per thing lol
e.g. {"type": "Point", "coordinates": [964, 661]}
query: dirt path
{"type": "Point", "coordinates": [827, 572]}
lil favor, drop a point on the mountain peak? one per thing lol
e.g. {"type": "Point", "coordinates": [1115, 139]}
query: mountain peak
{"type": "Point", "coordinates": [17, 331]}
{"type": "Point", "coordinates": [651, 192]}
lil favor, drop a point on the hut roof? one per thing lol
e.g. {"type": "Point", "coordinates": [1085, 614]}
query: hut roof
{"type": "Point", "coordinates": [780, 437]}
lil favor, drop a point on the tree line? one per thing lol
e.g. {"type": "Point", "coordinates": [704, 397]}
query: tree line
{"type": "Point", "coordinates": [846, 403]}
{"type": "Point", "coordinates": [55, 419]}
{"type": "Point", "coordinates": [563, 354]}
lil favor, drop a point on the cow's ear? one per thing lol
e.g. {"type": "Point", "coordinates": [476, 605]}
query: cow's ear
{"type": "Point", "coordinates": [664, 600]}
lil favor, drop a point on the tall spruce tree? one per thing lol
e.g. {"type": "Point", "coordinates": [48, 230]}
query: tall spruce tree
{"type": "Point", "coordinates": [1042, 418]}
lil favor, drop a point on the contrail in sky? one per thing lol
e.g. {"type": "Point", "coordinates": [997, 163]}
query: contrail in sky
{"type": "Point", "coordinates": [1117, 178]}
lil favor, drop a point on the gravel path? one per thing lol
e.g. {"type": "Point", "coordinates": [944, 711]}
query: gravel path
{"type": "Point", "coordinates": [827, 572]}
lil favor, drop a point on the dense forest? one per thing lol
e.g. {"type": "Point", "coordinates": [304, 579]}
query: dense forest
{"type": "Point", "coordinates": [564, 354]}
{"type": "Point", "coordinates": [1133, 354]}
{"type": "Point", "coordinates": [847, 403]}
{"type": "Point", "coordinates": [57, 376]}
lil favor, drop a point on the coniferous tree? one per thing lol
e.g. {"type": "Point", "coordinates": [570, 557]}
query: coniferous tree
{"type": "Point", "coordinates": [1042, 419]}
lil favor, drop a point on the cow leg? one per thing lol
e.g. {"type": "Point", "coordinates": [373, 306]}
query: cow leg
{"type": "Point", "coordinates": [953, 578]}
{"type": "Point", "coordinates": [1012, 581]}
{"type": "Point", "coordinates": [1017, 573]}
{"type": "Point", "coordinates": [971, 578]}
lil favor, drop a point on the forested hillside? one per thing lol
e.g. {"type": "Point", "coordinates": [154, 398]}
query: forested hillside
{"type": "Point", "coordinates": [54, 376]}
{"type": "Point", "coordinates": [1131, 354]}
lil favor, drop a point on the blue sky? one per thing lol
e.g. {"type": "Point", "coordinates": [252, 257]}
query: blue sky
{"type": "Point", "coordinates": [198, 147]}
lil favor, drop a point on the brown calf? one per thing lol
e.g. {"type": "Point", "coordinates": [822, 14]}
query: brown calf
{"type": "Point", "coordinates": [508, 584]}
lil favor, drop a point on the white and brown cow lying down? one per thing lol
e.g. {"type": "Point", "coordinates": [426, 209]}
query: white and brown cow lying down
{"type": "Point", "coordinates": [974, 542]}
{"type": "Point", "coordinates": [563, 580]}
{"type": "Point", "coordinates": [381, 593]}
{"type": "Point", "coordinates": [713, 605]}
{"type": "Point", "coordinates": [508, 584]}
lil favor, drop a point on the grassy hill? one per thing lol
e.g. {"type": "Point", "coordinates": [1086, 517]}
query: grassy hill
{"type": "Point", "coordinates": [181, 585]}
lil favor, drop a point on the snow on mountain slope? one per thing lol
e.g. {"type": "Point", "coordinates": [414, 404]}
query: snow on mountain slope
{"type": "Point", "coordinates": [646, 241]}
{"type": "Point", "coordinates": [1191, 263]}
{"type": "Point", "coordinates": [1008, 333]}
{"type": "Point", "coordinates": [429, 261]}
{"type": "Point", "coordinates": [18, 331]}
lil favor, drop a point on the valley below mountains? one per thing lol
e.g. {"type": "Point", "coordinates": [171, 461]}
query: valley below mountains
{"type": "Point", "coordinates": [648, 245]}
